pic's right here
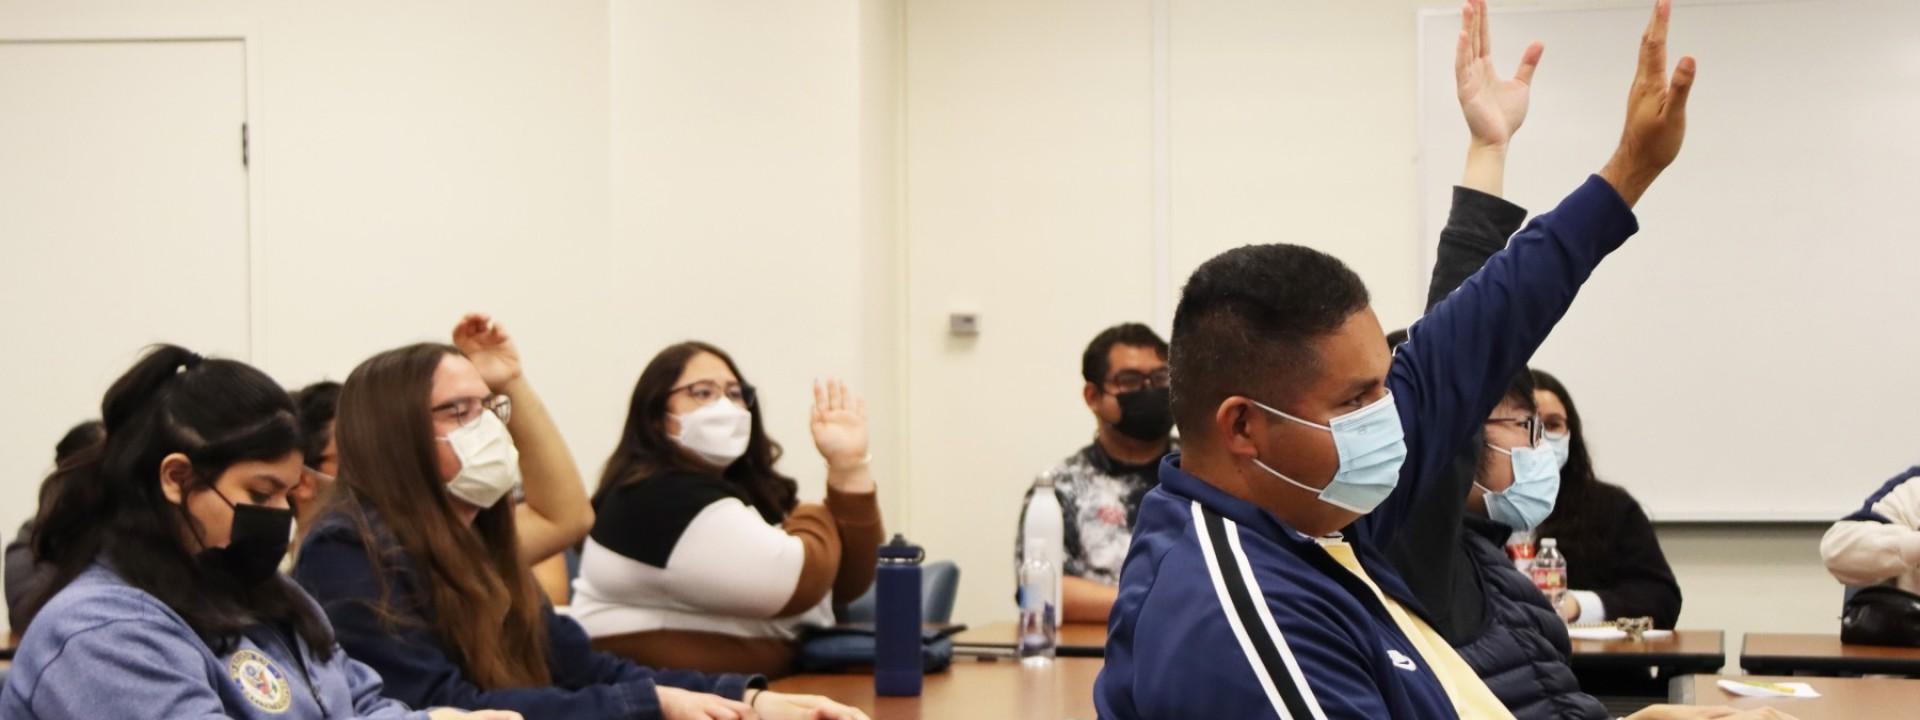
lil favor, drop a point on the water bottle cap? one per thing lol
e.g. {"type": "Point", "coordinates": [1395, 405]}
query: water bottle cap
{"type": "Point", "coordinates": [1549, 542]}
{"type": "Point", "coordinates": [899, 551]}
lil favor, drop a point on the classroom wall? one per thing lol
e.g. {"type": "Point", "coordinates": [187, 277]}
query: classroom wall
{"type": "Point", "coordinates": [1030, 184]}
{"type": "Point", "coordinates": [848, 173]}
{"type": "Point", "coordinates": [606, 178]}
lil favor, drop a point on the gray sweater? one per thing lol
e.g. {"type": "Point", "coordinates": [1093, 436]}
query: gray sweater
{"type": "Point", "coordinates": [105, 649]}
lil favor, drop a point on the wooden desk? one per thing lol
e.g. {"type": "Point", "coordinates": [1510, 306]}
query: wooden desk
{"type": "Point", "coordinates": [971, 689]}
{"type": "Point", "coordinates": [1840, 698]}
{"type": "Point", "coordinates": [1076, 640]}
{"type": "Point", "coordinates": [1789, 653]}
{"type": "Point", "coordinates": [1683, 652]}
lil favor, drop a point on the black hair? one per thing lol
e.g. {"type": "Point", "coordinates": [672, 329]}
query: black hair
{"type": "Point", "coordinates": [80, 437]}
{"type": "Point", "coordinates": [1095, 361]}
{"type": "Point", "coordinates": [1519, 392]}
{"type": "Point", "coordinates": [316, 404]}
{"type": "Point", "coordinates": [109, 505]}
{"type": "Point", "coordinates": [1568, 522]}
{"type": "Point", "coordinates": [1246, 325]}
{"type": "Point", "coordinates": [645, 450]}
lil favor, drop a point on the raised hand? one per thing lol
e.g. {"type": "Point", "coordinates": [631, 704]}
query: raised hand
{"type": "Point", "coordinates": [1656, 113]}
{"type": "Point", "coordinates": [1494, 106]}
{"type": "Point", "coordinates": [839, 422]}
{"type": "Point", "coordinates": [490, 348]}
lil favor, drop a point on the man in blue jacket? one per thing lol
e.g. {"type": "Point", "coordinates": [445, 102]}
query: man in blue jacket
{"type": "Point", "coordinates": [1255, 583]}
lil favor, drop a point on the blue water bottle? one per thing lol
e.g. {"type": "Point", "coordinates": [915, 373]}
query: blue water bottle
{"type": "Point", "coordinates": [897, 670]}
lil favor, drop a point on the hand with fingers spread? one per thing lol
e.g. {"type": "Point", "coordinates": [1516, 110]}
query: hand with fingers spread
{"type": "Point", "coordinates": [1656, 113]}
{"type": "Point", "coordinates": [490, 348]}
{"type": "Point", "coordinates": [677, 704]}
{"type": "Point", "coordinates": [1494, 106]}
{"type": "Point", "coordinates": [839, 422]}
{"type": "Point", "coordinates": [781, 706]}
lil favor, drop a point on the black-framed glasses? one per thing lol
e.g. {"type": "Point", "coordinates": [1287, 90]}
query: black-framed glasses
{"type": "Point", "coordinates": [1127, 381]}
{"type": "Point", "coordinates": [708, 392]}
{"type": "Point", "coordinates": [464, 410]}
{"type": "Point", "coordinates": [1531, 423]}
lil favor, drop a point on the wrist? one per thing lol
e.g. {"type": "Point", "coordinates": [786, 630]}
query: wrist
{"type": "Point", "coordinates": [1629, 178]}
{"type": "Point", "coordinates": [854, 479]}
{"type": "Point", "coordinates": [515, 386]}
{"type": "Point", "coordinates": [846, 463]}
{"type": "Point", "coordinates": [1483, 146]}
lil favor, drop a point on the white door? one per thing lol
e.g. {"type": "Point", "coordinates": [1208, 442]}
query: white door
{"type": "Point", "coordinates": [123, 222]}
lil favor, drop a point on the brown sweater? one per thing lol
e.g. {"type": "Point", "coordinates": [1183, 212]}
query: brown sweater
{"type": "Point", "coordinates": [679, 572]}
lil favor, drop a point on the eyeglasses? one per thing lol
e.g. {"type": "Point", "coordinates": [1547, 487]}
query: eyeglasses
{"type": "Point", "coordinates": [465, 410]}
{"type": "Point", "coordinates": [1530, 423]}
{"type": "Point", "coordinates": [708, 392]}
{"type": "Point", "coordinates": [1127, 381]}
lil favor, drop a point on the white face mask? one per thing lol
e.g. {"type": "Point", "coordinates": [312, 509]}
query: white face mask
{"type": "Point", "coordinates": [489, 463]}
{"type": "Point", "coordinates": [716, 433]}
{"type": "Point", "coordinates": [1562, 446]}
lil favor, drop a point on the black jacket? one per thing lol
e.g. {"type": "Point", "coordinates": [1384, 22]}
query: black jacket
{"type": "Point", "coordinates": [1620, 558]}
{"type": "Point", "coordinates": [1502, 626]}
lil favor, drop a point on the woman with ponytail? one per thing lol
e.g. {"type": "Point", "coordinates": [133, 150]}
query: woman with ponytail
{"type": "Point", "coordinates": [162, 542]}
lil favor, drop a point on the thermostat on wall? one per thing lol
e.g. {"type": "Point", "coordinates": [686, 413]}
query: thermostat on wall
{"type": "Point", "coordinates": [963, 324]}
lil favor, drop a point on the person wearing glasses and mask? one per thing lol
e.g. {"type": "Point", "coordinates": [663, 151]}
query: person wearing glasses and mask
{"type": "Point", "coordinates": [420, 562]}
{"type": "Point", "coordinates": [1100, 486]}
{"type": "Point", "coordinates": [703, 557]}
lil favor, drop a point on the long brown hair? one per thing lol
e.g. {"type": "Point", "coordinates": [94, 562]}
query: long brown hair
{"type": "Point", "coordinates": [481, 598]}
{"type": "Point", "coordinates": [645, 450]}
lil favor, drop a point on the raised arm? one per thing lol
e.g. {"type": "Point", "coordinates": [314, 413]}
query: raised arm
{"type": "Point", "coordinates": [1459, 358]}
{"type": "Point", "coordinates": [556, 513]}
{"type": "Point", "coordinates": [1480, 221]}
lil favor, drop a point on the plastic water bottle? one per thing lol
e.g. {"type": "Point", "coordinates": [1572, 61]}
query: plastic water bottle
{"type": "Point", "coordinates": [1039, 610]}
{"type": "Point", "coordinates": [1520, 551]}
{"type": "Point", "coordinates": [1042, 539]}
{"type": "Point", "coordinates": [897, 669]}
{"type": "Point", "coordinates": [1549, 570]}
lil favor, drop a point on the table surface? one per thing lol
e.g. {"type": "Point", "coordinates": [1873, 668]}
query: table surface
{"type": "Point", "coordinates": [1076, 639]}
{"type": "Point", "coordinates": [1807, 651]}
{"type": "Point", "coordinates": [971, 689]}
{"type": "Point", "coordinates": [1692, 644]}
{"type": "Point", "coordinates": [1840, 698]}
{"type": "Point", "coordinates": [1706, 648]}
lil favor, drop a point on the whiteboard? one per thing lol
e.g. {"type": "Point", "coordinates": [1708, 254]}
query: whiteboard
{"type": "Point", "coordinates": [1751, 355]}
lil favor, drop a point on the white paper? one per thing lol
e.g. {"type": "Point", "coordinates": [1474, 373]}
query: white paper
{"type": "Point", "coordinates": [1769, 690]}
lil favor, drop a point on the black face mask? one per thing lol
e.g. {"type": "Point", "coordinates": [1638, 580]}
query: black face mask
{"type": "Point", "coordinates": [1145, 415]}
{"type": "Point", "coordinates": [255, 545]}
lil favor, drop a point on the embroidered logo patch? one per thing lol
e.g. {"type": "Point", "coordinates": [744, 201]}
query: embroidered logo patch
{"type": "Point", "coordinates": [261, 681]}
{"type": "Point", "coordinates": [1400, 661]}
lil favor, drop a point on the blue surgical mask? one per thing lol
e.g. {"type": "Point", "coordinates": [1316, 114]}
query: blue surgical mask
{"type": "Point", "coordinates": [1562, 446]}
{"type": "Point", "coordinates": [1536, 483]}
{"type": "Point", "coordinates": [1371, 448]}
